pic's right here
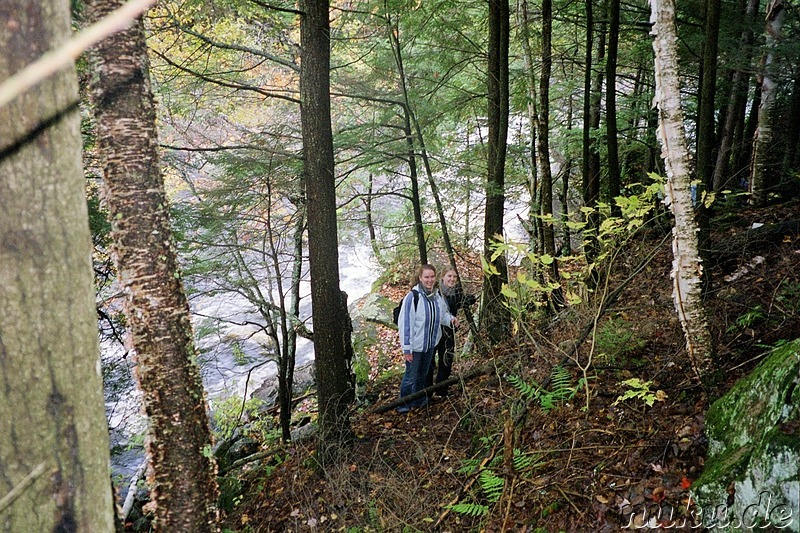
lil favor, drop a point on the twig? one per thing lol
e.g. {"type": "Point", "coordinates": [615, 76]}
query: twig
{"type": "Point", "coordinates": [569, 501]}
{"type": "Point", "coordinates": [472, 374]}
{"type": "Point", "coordinates": [15, 493]}
{"type": "Point", "coordinates": [508, 506]}
{"type": "Point", "coordinates": [605, 304]}
{"type": "Point", "coordinates": [54, 60]}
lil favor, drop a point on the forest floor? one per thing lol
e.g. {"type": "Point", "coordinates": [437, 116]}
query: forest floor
{"type": "Point", "coordinates": [486, 458]}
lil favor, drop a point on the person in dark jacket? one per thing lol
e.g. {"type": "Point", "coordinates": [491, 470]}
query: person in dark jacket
{"type": "Point", "coordinates": [453, 294]}
{"type": "Point", "coordinates": [422, 315]}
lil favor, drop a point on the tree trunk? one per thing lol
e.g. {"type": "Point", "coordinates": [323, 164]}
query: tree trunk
{"type": "Point", "coordinates": [543, 149]}
{"type": "Point", "coordinates": [416, 202]}
{"type": "Point", "coordinates": [182, 478]}
{"type": "Point", "coordinates": [612, 134]}
{"type": "Point", "coordinates": [736, 104]}
{"type": "Point", "coordinates": [687, 266]}
{"type": "Point", "coordinates": [764, 156]}
{"type": "Point", "coordinates": [534, 208]}
{"type": "Point", "coordinates": [333, 350]}
{"type": "Point", "coordinates": [54, 458]}
{"type": "Point", "coordinates": [591, 158]}
{"type": "Point", "coordinates": [744, 145]}
{"type": "Point", "coordinates": [706, 134]}
{"type": "Point", "coordinates": [793, 135]}
{"type": "Point", "coordinates": [494, 315]}
{"type": "Point", "coordinates": [370, 223]}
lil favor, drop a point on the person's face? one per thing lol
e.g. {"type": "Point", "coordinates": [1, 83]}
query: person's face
{"type": "Point", "coordinates": [427, 278]}
{"type": "Point", "coordinates": [450, 279]}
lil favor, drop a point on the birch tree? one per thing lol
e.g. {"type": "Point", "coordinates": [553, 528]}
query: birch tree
{"type": "Point", "coordinates": [764, 157]}
{"type": "Point", "coordinates": [182, 477]}
{"type": "Point", "coordinates": [687, 267]}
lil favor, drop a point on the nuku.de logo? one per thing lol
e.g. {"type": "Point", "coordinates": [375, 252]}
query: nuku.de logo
{"type": "Point", "coordinates": [766, 513]}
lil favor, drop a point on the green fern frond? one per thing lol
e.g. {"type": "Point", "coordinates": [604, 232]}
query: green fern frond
{"type": "Point", "coordinates": [492, 485]}
{"type": "Point", "coordinates": [562, 386]}
{"type": "Point", "coordinates": [469, 509]}
{"type": "Point", "coordinates": [523, 461]}
{"type": "Point", "coordinates": [526, 391]}
{"type": "Point", "coordinates": [469, 466]}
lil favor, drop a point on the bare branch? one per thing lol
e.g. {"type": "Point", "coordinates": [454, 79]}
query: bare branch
{"type": "Point", "coordinates": [54, 60]}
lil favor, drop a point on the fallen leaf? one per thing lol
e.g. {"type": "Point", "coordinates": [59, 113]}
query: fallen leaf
{"type": "Point", "coordinates": [685, 483]}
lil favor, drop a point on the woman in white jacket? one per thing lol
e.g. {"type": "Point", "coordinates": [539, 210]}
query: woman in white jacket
{"type": "Point", "coordinates": [422, 315]}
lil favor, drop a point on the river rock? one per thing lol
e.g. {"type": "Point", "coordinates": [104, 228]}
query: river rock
{"type": "Point", "coordinates": [372, 308]}
{"type": "Point", "coordinates": [751, 477]}
{"type": "Point", "coordinates": [303, 381]}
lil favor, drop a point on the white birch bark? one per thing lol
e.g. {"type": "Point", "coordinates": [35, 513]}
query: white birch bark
{"type": "Point", "coordinates": [763, 159]}
{"type": "Point", "coordinates": [687, 266]}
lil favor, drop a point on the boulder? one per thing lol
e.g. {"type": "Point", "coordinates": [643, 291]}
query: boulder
{"type": "Point", "coordinates": [751, 476]}
{"type": "Point", "coordinates": [303, 381]}
{"type": "Point", "coordinates": [373, 308]}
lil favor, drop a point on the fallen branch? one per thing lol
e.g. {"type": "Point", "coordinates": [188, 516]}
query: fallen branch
{"type": "Point", "coordinates": [130, 497]}
{"type": "Point", "coordinates": [249, 459]}
{"type": "Point", "coordinates": [472, 374]}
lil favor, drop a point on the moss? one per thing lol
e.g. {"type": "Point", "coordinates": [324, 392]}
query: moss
{"type": "Point", "coordinates": [726, 467]}
{"type": "Point", "coordinates": [755, 403]}
{"type": "Point", "coordinates": [753, 448]}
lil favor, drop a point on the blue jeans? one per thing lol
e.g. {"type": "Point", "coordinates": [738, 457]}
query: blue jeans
{"type": "Point", "coordinates": [415, 376]}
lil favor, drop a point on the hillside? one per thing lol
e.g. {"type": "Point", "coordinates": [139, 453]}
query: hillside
{"type": "Point", "coordinates": [489, 458]}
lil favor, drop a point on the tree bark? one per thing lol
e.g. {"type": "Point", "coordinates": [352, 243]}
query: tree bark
{"type": "Point", "coordinates": [706, 134]}
{"type": "Point", "coordinates": [686, 266]}
{"type": "Point", "coordinates": [736, 105]}
{"type": "Point", "coordinates": [494, 317]}
{"type": "Point", "coordinates": [333, 349]}
{"type": "Point", "coordinates": [534, 207]}
{"type": "Point", "coordinates": [543, 150]}
{"type": "Point", "coordinates": [590, 184]}
{"type": "Point", "coordinates": [764, 156]}
{"type": "Point", "coordinates": [182, 473]}
{"type": "Point", "coordinates": [416, 202]}
{"type": "Point", "coordinates": [612, 134]}
{"type": "Point", "coordinates": [54, 452]}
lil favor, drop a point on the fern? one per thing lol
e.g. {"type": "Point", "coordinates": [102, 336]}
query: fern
{"type": "Point", "coordinates": [469, 466]}
{"type": "Point", "coordinates": [523, 461]}
{"type": "Point", "coordinates": [492, 485]}
{"type": "Point", "coordinates": [469, 509]}
{"type": "Point", "coordinates": [562, 387]}
{"type": "Point", "coordinates": [530, 392]}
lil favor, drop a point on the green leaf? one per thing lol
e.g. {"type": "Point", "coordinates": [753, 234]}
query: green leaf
{"type": "Point", "coordinates": [508, 292]}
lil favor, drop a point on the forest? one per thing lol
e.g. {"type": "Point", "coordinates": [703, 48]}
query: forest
{"type": "Point", "coordinates": [209, 210]}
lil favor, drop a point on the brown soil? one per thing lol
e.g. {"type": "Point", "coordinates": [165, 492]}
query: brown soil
{"type": "Point", "coordinates": [586, 464]}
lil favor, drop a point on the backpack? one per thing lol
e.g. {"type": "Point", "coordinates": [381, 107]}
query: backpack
{"type": "Point", "coordinates": [396, 310]}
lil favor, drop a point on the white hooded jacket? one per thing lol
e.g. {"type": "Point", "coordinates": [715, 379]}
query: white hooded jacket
{"type": "Point", "coordinates": [420, 325]}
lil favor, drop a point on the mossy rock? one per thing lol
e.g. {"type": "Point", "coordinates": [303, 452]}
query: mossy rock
{"type": "Point", "coordinates": [367, 315]}
{"type": "Point", "coordinates": [751, 478]}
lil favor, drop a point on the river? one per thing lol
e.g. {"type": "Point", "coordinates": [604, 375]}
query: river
{"type": "Point", "coordinates": [225, 370]}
